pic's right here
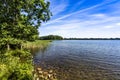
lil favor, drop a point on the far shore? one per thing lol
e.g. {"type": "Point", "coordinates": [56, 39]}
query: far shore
{"type": "Point", "coordinates": [91, 38]}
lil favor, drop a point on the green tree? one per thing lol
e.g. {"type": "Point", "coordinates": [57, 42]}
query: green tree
{"type": "Point", "coordinates": [51, 37]}
{"type": "Point", "coordinates": [20, 19]}
{"type": "Point", "coordinates": [19, 22]}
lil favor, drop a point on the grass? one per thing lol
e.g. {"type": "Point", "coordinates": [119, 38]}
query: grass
{"type": "Point", "coordinates": [37, 44]}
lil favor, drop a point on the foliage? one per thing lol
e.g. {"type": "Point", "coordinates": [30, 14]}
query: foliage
{"type": "Point", "coordinates": [17, 64]}
{"type": "Point", "coordinates": [13, 43]}
{"type": "Point", "coordinates": [51, 37]}
{"type": "Point", "coordinates": [20, 19]}
{"type": "Point", "coordinates": [13, 68]}
{"type": "Point", "coordinates": [19, 22]}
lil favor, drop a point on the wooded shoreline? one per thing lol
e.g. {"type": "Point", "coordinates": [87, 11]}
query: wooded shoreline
{"type": "Point", "coordinates": [91, 38]}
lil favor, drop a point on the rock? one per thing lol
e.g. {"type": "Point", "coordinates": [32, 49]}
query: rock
{"type": "Point", "coordinates": [50, 71]}
{"type": "Point", "coordinates": [49, 75]}
{"type": "Point", "coordinates": [45, 73]}
{"type": "Point", "coordinates": [40, 72]}
{"type": "Point", "coordinates": [46, 77]}
{"type": "Point", "coordinates": [37, 79]}
{"type": "Point", "coordinates": [41, 76]}
{"type": "Point", "coordinates": [39, 69]}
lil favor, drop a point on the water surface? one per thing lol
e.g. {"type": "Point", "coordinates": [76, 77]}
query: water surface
{"type": "Point", "coordinates": [82, 59]}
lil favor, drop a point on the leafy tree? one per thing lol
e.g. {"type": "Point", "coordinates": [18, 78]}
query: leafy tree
{"type": "Point", "coordinates": [20, 19]}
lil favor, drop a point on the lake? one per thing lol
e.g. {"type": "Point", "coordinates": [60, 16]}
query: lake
{"type": "Point", "coordinates": [82, 59]}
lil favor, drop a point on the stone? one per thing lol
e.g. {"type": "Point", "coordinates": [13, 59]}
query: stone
{"type": "Point", "coordinates": [39, 69]}
{"type": "Point", "coordinates": [40, 72]}
{"type": "Point", "coordinates": [45, 73]}
{"type": "Point", "coordinates": [49, 75]}
{"type": "Point", "coordinates": [50, 71]}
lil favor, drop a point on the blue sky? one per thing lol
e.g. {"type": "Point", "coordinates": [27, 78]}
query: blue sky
{"type": "Point", "coordinates": [83, 19]}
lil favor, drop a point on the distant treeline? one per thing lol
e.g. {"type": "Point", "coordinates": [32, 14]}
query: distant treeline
{"type": "Point", "coordinates": [57, 37]}
{"type": "Point", "coordinates": [51, 37]}
{"type": "Point", "coordinates": [91, 38]}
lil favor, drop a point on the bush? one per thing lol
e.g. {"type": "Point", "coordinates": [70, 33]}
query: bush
{"type": "Point", "coordinates": [11, 67]}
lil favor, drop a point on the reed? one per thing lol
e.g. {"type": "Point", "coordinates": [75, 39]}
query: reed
{"type": "Point", "coordinates": [37, 44]}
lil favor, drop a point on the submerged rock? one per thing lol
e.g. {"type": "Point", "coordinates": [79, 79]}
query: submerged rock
{"type": "Point", "coordinates": [40, 73]}
{"type": "Point", "coordinates": [39, 69]}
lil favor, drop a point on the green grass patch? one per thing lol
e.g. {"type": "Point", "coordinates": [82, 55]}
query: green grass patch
{"type": "Point", "coordinates": [37, 44]}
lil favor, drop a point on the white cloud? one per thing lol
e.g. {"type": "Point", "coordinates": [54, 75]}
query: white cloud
{"type": "Point", "coordinates": [118, 24]}
{"type": "Point", "coordinates": [58, 9]}
{"type": "Point", "coordinates": [113, 25]}
{"type": "Point", "coordinates": [80, 12]}
{"type": "Point", "coordinates": [109, 27]}
{"type": "Point", "coordinates": [83, 23]}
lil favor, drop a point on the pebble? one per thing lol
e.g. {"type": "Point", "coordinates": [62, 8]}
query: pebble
{"type": "Point", "coordinates": [45, 73]}
{"type": "Point", "coordinates": [49, 75]}
{"type": "Point", "coordinates": [50, 71]}
{"type": "Point", "coordinates": [37, 79]}
{"type": "Point", "coordinates": [39, 69]}
{"type": "Point", "coordinates": [40, 72]}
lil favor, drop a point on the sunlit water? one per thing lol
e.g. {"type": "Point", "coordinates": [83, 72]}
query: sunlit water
{"type": "Point", "coordinates": [82, 59]}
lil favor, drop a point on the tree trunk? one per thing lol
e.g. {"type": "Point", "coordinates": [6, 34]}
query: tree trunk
{"type": "Point", "coordinates": [8, 47]}
{"type": "Point", "coordinates": [21, 47]}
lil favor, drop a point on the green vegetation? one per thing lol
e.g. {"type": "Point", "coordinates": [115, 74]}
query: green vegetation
{"type": "Point", "coordinates": [36, 44]}
{"type": "Point", "coordinates": [16, 65]}
{"type": "Point", "coordinates": [51, 37]}
{"type": "Point", "coordinates": [91, 38]}
{"type": "Point", "coordinates": [19, 23]}
{"type": "Point", "coordinates": [20, 19]}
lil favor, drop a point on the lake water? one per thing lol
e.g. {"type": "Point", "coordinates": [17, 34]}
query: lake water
{"type": "Point", "coordinates": [82, 59]}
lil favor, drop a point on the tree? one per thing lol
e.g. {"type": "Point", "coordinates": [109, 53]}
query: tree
{"type": "Point", "coordinates": [20, 19]}
{"type": "Point", "coordinates": [51, 37]}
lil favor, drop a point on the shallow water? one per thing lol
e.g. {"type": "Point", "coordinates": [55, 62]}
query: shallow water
{"type": "Point", "coordinates": [82, 59]}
